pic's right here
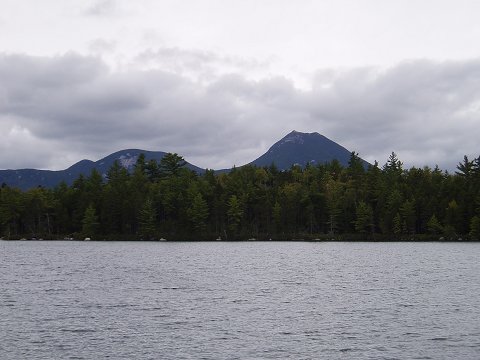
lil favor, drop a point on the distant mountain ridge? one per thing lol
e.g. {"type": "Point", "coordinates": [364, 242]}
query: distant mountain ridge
{"type": "Point", "coordinates": [296, 148]}
{"type": "Point", "coordinates": [29, 178]}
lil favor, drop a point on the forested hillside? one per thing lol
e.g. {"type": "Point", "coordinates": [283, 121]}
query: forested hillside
{"type": "Point", "coordinates": [328, 201]}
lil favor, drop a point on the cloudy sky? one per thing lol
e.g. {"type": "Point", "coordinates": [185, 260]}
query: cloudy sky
{"type": "Point", "coordinates": [219, 81]}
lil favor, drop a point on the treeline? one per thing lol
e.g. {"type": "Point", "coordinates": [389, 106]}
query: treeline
{"type": "Point", "coordinates": [166, 200]}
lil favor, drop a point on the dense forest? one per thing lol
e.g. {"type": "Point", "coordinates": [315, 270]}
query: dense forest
{"type": "Point", "coordinates": [166, 200]}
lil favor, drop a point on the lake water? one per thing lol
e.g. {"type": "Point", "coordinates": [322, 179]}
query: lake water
{"type": "Point", "coordinates": [248, 300]}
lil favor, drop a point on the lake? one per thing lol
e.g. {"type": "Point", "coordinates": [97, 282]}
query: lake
{"type": "Point", "coordinates": [239, 300]}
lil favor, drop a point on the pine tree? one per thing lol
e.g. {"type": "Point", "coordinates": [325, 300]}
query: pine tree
{"type": "Point", "coordinates": [407, 211]}
{"type": "Point", "coordinates": [234, 213]}
{"type": "Point", "coordinates": [364, 219]}
{"type": "Point", "coordinates": [90, 222]}
{"type": "Point", "coordinates": [475, 228]}
{"type": "Point", "coordinates": [397, 224]}
{"type": "Point", "coordinates": [147, 220]}
{"type": "Point", "coordinates": [277, 216]}
{"type": "Point", "coordinates": [434, 226]}
{"type": "Point", "coordinates": [198, 213]}
{"type": "Point", "coordinates": [171, 163]}
{"type": "Point", "coordinates": [334, 190]}
{"type": "Point", "coordinates": [452, 216]}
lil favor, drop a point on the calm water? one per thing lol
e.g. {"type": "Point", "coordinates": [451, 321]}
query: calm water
{"type": "Point", "coordinates": [126, 300]}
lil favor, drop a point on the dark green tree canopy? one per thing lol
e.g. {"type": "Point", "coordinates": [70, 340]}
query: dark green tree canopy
{"type": "Point", "coordinates": [166, 199]}
{"type": "Point", "coordinates": [171, 163]}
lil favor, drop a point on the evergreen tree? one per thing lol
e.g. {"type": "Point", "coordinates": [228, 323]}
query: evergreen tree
{"type": "Point", "coordinates": [393, 165]}
{"type": "Point", "coordinates": [116, 209]}
{"type": "Point", "coordinates": [152, 170]}
{"type": "Point", "coordinates": [475, 228]}
{"type": "Point", "coordinates": [434, 226]}
{"type": "Point", "coordinates": [277, 217]}
{"type": "Point", "coordinates": [148, 220]}
{"type": "Point", "coordinates": [11, 210]}
{"type": "Point", "coordinates": [397, 225]}
{"type": "Point", "coordinates": [453, 217]}
{"type": "Point", "coordinates": [171, 163]}
{"type": "Point", "coordinates": [407, 211]}
{"type": "Point", "coordinates": [355, 167]}
{"type": "Point", "coordinates": [90, 222]}
{"type": "Point", "coordinates": [250, 200]}
{"type": "Point", "coordinates": [333, 196]}
{"type": "Point", "coordinates": [198, 213]}
{"type": "Point", "coordinates": [465, 169]}
{"type": "Point", "coordinates": [364, 218]}
{"type": "Point", "coordinates": [234, 214]}
{"type": "Point", "coordinates": [390, 211]}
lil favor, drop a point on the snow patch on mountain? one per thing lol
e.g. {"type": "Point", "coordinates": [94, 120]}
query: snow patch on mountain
{"type": "Point", "coordinates": [294, 137]}
{"type": "Point", "coordinates": [127, 160]}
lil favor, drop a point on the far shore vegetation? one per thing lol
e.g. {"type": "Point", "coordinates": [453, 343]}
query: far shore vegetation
{"type": "Point", "coordinates": [165, 200]}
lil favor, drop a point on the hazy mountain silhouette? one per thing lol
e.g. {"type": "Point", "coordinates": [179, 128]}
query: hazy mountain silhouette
{"type": "Point", "coordinates": [295, 148]}
{"type": "Point", "coordinates": [299, 148]}
{"type": "Point", "coordinates": [28, 178]}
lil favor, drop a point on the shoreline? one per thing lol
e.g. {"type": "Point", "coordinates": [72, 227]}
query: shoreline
{"type": "Point", "coordinates": [381, 239]}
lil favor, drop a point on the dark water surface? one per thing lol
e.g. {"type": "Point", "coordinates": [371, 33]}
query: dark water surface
{"type": "Point", "coordinates": [250, 300]}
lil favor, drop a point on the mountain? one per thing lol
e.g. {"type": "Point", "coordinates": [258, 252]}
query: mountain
{"type": "Point", "coordinates": [302, 148]}
{"type": "Point", "coordinates": [295, 148]}
{"type": "Point", "coordinates": [29, 178]}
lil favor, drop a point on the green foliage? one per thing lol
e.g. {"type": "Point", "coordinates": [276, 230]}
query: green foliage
{"type": "Point", "coordinates": [393, 165]}
{"type": "Point", "coordinates": [234, 214]}
{"type": "Point", "coordinates": [333, 194]}
{"type": "Point", "coordinates": [90, 222]}
{"type": "Point", "coordinates": [397, 224]}
{"type": "Point", "coordinates": [277, 216]}
{"type": "Point", "coordinates": [198, 213]}
{"type": "Point", "coordinates": [147, 220]}
{"type": "Point", "coordinates": [168, 199]}
{"type": "Point", "coordinates": [475, 228]}
{"type": "Point", "coordinates": [453, 216]}
{"type": "Point", "coordinates": [171, 164]}
{"type": "Point", "coordinates": [391, 220]}
{"type": "Point", "coordinates": [407, 211]}
{"type": "Point", "coordinates": [364, 219]}
{"type": "Point", "coordinates": [466, 168]}
{"type": "Point", "coordinates": [433, 226]}
{"type": "Point", "coordinates": [11, 210]}
{"type": "Point", "coordinates": [355, 167]}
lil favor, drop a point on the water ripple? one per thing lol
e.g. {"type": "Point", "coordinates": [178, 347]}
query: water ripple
{"type": "Point", "coordinates": [253, 300]}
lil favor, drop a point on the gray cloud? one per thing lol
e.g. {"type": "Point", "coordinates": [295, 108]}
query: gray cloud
{"type": "Point", "coordinates": [199, 63]}
{"type": "Point", "coordinates": [101, 8]}
{"type": "Point", "coordinates": [416, 109]}
{"type": "Point", "coordinates": [57, 110]}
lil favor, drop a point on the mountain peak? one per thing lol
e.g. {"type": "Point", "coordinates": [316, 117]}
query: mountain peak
{"type": "Point", "coordinates": [299, 137]}
{"type": "Point", "coordinates": [301, 148]}
{"type": "Point", "coordinates": [294, 137]}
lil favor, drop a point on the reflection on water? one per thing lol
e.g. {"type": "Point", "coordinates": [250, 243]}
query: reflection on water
{"type": "Point", "coordinates": [249, 300]}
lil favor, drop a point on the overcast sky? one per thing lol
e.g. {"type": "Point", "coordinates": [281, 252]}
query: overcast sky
{"type": "Point", "coordinates": [219, 81]}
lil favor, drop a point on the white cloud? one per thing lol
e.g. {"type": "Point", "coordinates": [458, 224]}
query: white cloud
{"type": "Point", "coordinates": [199, 65]}
{"type": "Point", "coordinates": [101, 46]}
